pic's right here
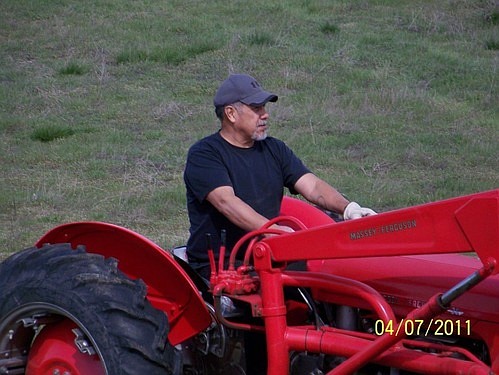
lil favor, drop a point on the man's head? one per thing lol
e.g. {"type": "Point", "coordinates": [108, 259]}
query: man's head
{"type": "Point", "coordinates": [241, 88]}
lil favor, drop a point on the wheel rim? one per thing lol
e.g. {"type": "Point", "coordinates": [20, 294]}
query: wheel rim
{"type": "Point", "coordinates": [44, 339]}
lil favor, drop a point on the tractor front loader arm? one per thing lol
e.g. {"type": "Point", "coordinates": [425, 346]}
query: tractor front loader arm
{"type": "Point", "coordinates": [463, 224]}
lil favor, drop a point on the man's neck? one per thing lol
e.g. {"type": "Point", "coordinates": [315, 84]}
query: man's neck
{"type": "Point", "coordinates": [236, 140]}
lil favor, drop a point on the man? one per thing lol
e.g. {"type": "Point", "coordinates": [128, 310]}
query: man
{"type": "Point", "coordinates": [235, 177]}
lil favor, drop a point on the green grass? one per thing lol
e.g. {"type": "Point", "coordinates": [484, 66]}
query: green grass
{"type": "Point", "coordinates": [73, 68]}
{"type": "Point", "coordinates": [51, 132]}
{"type": "Point", "coordinates": [393, 102]}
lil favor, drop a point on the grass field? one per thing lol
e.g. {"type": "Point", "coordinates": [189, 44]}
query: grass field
{"type": "Point", "coordinates": [393, 102]}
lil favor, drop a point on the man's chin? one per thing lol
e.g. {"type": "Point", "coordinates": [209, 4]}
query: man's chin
{"type": "Point", "coordinates": [260, 136]}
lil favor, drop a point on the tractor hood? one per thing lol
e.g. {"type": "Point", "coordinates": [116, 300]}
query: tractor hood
{"type": "Point", "coordinates": [407, 282]}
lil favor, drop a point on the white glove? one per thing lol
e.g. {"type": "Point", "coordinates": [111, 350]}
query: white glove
{"type": "Point", "coordinates": [354, 211]}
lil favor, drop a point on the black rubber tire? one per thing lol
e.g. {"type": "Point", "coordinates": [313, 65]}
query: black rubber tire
{"type": "Point", "coordinates": [127, 332]}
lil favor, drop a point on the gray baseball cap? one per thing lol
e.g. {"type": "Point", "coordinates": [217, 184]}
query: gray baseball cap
{"type": "Point", "coordinates": [242, 88]}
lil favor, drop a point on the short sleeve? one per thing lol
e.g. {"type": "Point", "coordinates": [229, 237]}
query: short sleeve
{"type": "Point", "coordinates": [205, 171]}
{"type": "Point", "coordinates": [292, 167]}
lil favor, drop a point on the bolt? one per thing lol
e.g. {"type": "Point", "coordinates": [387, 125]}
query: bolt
{"type": "Point", "coordinates": [259, 251]}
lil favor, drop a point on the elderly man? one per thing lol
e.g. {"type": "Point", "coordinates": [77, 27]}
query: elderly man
{"type": "Point", "coordinates": [235, 178]}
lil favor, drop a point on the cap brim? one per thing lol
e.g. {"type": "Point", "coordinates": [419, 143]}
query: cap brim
{"type": "Point", "coordinates": [260, 98]}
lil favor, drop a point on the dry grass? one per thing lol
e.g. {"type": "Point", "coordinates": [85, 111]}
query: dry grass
{"type": "Point", "coordinates": [394, 103]}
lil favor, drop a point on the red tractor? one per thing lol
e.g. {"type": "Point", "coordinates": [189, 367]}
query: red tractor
{"type": "Point", "coordinates": [386, 294]}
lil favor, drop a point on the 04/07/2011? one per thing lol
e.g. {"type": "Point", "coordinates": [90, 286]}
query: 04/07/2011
{"type": "Point", "coordinates": [420, 327]}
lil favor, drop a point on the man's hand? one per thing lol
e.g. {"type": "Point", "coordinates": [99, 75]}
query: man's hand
{"type": "Point", "coordinates": [354, 211]}
{"type": "Point", "coordinates": [283, 228]}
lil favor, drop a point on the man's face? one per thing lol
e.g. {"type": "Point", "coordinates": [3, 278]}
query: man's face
{"type": "Point", "coordinates": [252, 121]}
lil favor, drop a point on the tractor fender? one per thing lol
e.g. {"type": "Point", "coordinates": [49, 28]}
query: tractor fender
{"type": "Point", "coordinates": [169, 288]}
{"type": "Point", "coordinates": [309, 215]}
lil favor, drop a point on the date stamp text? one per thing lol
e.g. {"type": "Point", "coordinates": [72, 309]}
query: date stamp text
{"type": "Point", "coordinates": [420, 327]}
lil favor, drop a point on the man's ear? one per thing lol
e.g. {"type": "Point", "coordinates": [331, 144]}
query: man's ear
{"type": "Point", "coordinates": [231, 113]}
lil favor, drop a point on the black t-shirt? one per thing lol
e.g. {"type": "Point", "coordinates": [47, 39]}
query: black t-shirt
{"type": "Point", "coordinates": [258, 176]}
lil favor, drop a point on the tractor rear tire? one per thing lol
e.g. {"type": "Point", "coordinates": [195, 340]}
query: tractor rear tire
{"type": "Point", "coordinates": [39, 288]}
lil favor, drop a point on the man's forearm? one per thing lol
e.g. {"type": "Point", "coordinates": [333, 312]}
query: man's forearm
{"type": "Point", "coordinates": [321, 193]}
{"type": "Point", "coordinates": [235, 209]}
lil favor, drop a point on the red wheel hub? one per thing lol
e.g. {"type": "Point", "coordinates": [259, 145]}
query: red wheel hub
{"type": "Point", "coordinates": [55, 352]}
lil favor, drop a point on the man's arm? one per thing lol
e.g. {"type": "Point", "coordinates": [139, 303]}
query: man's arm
{"type": "Point", "coordinates": [319, 192]}
{"type": "Point", "coordinates": [237, 211]}
{"type": "Point", "coordinates": [324, 195]}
